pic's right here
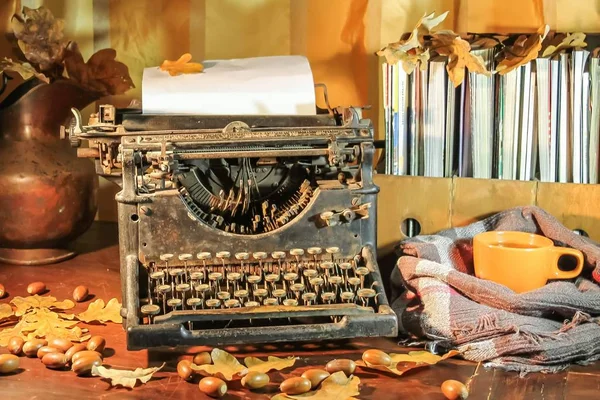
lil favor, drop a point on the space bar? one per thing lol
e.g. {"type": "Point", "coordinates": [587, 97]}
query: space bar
{"type": "Point", "coordinates": [262, 312]}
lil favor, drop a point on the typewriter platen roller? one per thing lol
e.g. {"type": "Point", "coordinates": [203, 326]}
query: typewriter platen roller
{"type": "Point", "coordinates": [242, 229]}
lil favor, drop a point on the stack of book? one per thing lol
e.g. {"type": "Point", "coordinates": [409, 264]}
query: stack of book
{"type": "Point", "coordinates": [538, 121]}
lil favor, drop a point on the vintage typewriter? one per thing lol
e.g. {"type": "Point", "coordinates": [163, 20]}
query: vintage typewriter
{"type": "Point", "coordinates": [242, 229]}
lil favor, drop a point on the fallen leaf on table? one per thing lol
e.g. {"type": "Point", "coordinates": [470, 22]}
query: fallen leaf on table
{"type": "Point", "coordinates": [181, 66]}
{"type": "Point", "coordinates": [336, 387]}
{"type": "Point", "coordinates": [24, 69]}
{"type": "Point", "coordinates": [125, 377]}
{"type": "Point", "coordinates": [570, 41]}
{"type": "Point", "coordinates": [272, 363]}
{"type": "Point", "coordinates": [224, 366]}
{"type": "Point", "coordinates": [522, 51]}
{"type": "Point", "coordinates": [5, 311]}
{"type": "Point", "coordinates": [458, 50]}
{"type": "Point", "coordinates": [405, 362]}
{"type": "Point", "coordinates": [97, 311]}
{"type": "Point", "coordinates": [41, 323]}
{"type": "Point", "coordinates": [33, 302]}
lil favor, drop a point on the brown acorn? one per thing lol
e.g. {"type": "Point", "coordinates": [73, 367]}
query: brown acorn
{"type": "Point", "coordinates": [15, 345]}
{"type": "Point", "coordinates": [214, 387]}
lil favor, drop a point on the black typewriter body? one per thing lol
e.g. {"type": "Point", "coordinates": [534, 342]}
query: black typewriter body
{"type": "Point", "coordinates": [242, 229]}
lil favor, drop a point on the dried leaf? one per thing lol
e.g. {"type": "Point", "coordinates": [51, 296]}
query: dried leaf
{"type": "Point", "coordinates": [124, 377]}
{"type": "Point", "coordinates": [34, 302]}
{"type": "Point", "coordinates": [97, 311]}
{"type": "Point", "coordinates": [405, 362]}
{"type": "Point", "coordinates": [522, 51]}
{"type": "Point", "coordinates": [570, 41]}
{"type": "Point", "coordinates": [6, 334]}
{"type": "Point", "coordinates": [181, 66]}
{"type": "Point", "coordinates": [224, 366]}
{"type": "Point", "coordinates": [459, 55]}
{"type": "Point", "coordinates": [101, 74]}
{"type": "Point", "coordinates": [24, 69]}
{"type": "Point", "coordinates": [40, 38]}
{"type": "Point", "coordinates": [5, 311]}
{"type": "Point", "coordinates": [336, 387]}
{"type": "Point", "coordinates": [273, 363]}
{"type": "Point", "coordinates": [41, 323]}
{"type": "Point", "coordinates": [478, 42]}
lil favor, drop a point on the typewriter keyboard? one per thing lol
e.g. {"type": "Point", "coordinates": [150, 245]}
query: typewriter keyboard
{"type": "Point", "coordinates": [225, 281]}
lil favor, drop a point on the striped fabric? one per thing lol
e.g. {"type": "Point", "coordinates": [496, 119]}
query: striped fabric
{"type": "Point", "coordinates": [544, 330]}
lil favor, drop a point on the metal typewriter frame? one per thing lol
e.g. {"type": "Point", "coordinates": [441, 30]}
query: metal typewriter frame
{"type": "Point", "coordinates": [142, 213]}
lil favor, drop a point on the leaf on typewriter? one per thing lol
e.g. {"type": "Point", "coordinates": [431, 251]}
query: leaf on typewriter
{"type": "Point", "coordinates": [181, 66]}
{"type": "Point", "coordinates": [102, 73]}
{"type": "Point", "coordinates": [522, 51]}
{"type": "Point", "coordinates": [570, 41]}
{"type": "Point", "coordinates": [336, 386]}
{"type": "Point", "coordinates": [40, 38]}
{"type": "Point", "coordinates": [35, 302]}
{"type": "Point", "coordinates": [224, 366]}
{"type": "Point", "coordinates": [272, 363]}
{"type": "Point", "coordinates": [6, 311]}
{"type": "Point", "coordinates": [24, 69]}
{"type": "Point", "coordinates": [98, 312]}
{"type": "Point", "coordinates": [405, 362]}
{"type": "Point", "coordinates": [125, 377]}
{"type": "Point", "coordinates": [458, 50]}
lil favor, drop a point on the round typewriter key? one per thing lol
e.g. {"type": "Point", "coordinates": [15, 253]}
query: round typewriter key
{"type": "Point", "coordinates": [194, 302]}
{"type": "Point", "coordinates": [290, 302]}
{"type": "Point", "coordinates": [332, 250]}
{"type": "Point", "coordinates": [290, 276]}
{"type": "Point", "coordinates": [335, 279]}
{"type": "Point", "coordinates": [251, 304]}
{"type": "Point", "coordinates": [215, 276]}
{"type": "Point", "coordinates": [150, 310]}
{"type": "Point", "coordinates": [260, 292]}
{"type": "Point", "coordinates": [328, 296]}
{"type": "Point", "coordinates": [223, 255]}
{"type": "Point", "coordinates": [202, 288]}
{"type": "Point", "coordinates": [366, 293]}
{"type": "Point", "coordinates": [157, 275]}
{"type": "Point", "coordinates": [278, 255]}
{"type": "Point", "coordinates": [213, 303]}
{"type": "Point", "coordinates": [362, 271]}
{"type": "Point", "coordinates": [345, 266]}
{"type": "Point", "coordinates": [197, 276]}
{"type": "Point", "coordinates": [354, 281]}
{"type": "Point", "coordinates": [166, 257]}
{"type": "Point", "coordinates": [185, 257]}
{"type": "Point", "coordinates": [347, 296]}
{"type": "Point", "coordinates": [279, 293]}
{"type": "Point", "coordinates": [203, 255]}
{"type": "Point", "coordinates": [234, 276]}
{"type": "Point", "coordinates": [242, 256]}
{"type": "Point", "coordinates": [326, 265]}
{"type": "Point", "coordinates": [297, 252]}
{"type": "Point", "coordinates": [297, 287]}
{"type": "Point", "coordinates": [223, 295]}
{"type": "Point", "coordinates": [270, 302]}
{"type": "Point", "coordinates": [242, 293]}
{"type": "Point", "coordinates": [232, 303]}
{"type": "Point", "coordinates": [316, 282]}
{"type": "Point", "coordinates": [254, 279]}
{"type": "Point", "coordinates": [174, 303]}
{"type": "Point", "coordinates": [182, 287]}
{"type": "Point", "coordinates": [259, 255]}
{"type": "Point", "coordinates": [314, 250]}
{"type": "Point", "coordinates": [163, 289]}
{"type": "Point", "coordinates": [308, 297]}
{"type": "Point", "coordinates": [310, 273]}
{"type": "Point", "coordinates": [272, 278]}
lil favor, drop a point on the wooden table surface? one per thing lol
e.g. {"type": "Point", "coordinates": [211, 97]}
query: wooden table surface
{"type": "Point", "coordinates": [97, 267]}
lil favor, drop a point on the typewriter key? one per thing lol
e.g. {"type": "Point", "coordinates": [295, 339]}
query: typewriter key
{"type": "Point", "coordinates": [270, 302]}
{"type": "Point", "coordinates": [260, 293]}
{"type": "Point", "coordinates": [335, 281]}
{"type": "Point", "coordinates": [326, 266]}
{"type": "Point", "coordinates": [345, 266]}
{"type": "Point", "coordinates": [203, 255]}
{"type": "Point", "coordinates": [308, 298]}
{"type": "Point", "coordinates": [232, 303]}
{"type": "Point", "coordinates": [314, 251]}
{"type": "Point", "coordinates": [163, 290]}
{"type": "Point", "coordinates": [278, 293]}
{"type": "Point", "coordinates": [354, 281]}
{"type": "Point", "coordinates": [213, 303]}
{"type": "Point", "coordinates": [185, 258]}
{"type": "Point", "coordinates": [254, 280]}
{"type": "Point", "coordinates": [223, 295]}
{"type": "Point", "coordinates": [150, 310]}
{"type": "Point", "coordinates": [347, 296]}
{"type": "Point", "coordinates": [333, 251]}
{"type": "Point", "coordinates": [242, 256]}
{"type": "Point", "coordinates": [328, 297]}
{"type": "Point", "coordinates": [223, 255]}
{"type": "Point", "coordinates": [365, 295]}
{"type": "Point", "coordinates": [197, 276]}
{"type": "Point", "coordinates": [194, 302]}
{"type": "Point", "coordinates": [290, 302]}
{"type": "Point", "coordinates": [251, 304]}
{"type": "Point", "coordinates": [310, 273]}
{"type": "Point", "coordinates": [362, 272]}
{"type": "Point", "coordinates": [182, 288]}
{"type": "Point", "coordinates": [241, 294]}
{"type": "Point", "coordinates": [297, 288]}
{"type": "Point", "coordinates": [174, 303]}
{"type": "Point", "coordinates": [166, 257]}
{"type": "Point", "coordinates": [316, 283]}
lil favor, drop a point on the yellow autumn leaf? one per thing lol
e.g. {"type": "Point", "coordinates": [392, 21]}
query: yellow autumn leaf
{"type": "Point", "coordinates": [181, 66]}
{"type": "Point", "coordinates": [124, 377]}
{"type": "Point", "coordinates": [459, 55]}
{"type": "Point", "coordinates": [405, 362]}
{"type": "Point", "coordinates": [25, 303]}
{"type": "Point", "coordinates": [522, 51]}
{"type": "Point", "coordinates": [97, 311]}
{"type": "Point", "coordinates": [337, 386]}
{"type": "Point", "coordinates": [570, 41]}
{"type": "Point", "coordinates": [5, 311]}
{"type": "Point", "coordinates": [224, 366]}
{"type": "Point", "coordinates": [6, 334]}
{"type": "Point", "coordinates": [272, 363]}
{"type": "Point", "coordinates": [41, 323]}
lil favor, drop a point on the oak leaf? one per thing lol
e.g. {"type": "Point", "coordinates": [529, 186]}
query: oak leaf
{"type": "Point", "coordinates": [41, 323]}
{"type": "Point", "coordinates": [181, 66]}
{"type": "Point", "coordinates": [40, 38]}
{"type": "Point", "coordinates": [224, 366]}
{"type": "Point", "coordinates": [525, 49]}
{"type": "Point", "coordinates": [405, 362]}
{"type": "Point", "coordinates": [102, 73]}
{"type": "Point", "coordinates": [5, 311]}
{"type": "Point", "coordinates": [36, 302]}
{"type": "Point", "coordinates": [99, 312]}
{"type": "Point", "coordinates": [459, 55]}
{"type": "Point", "coordinates": [337, 386]}
{"type": "Point", "coordinates": [6, 334]}
{"type": "Point", "coordinates": [24, 69]}
{"type": "Point", "coordinates": [272, 363]}
{"type": "Point", "coordinates": [570, 41]}
{"type": "Point", "coordinates": [125, 377]}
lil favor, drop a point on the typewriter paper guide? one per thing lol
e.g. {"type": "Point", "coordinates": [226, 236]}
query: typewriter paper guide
{"type": "Point", "coordinates": [280, 85]}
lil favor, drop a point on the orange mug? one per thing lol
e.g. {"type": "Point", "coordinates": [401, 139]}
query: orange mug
{"type": "Point", "coordinates": [521, 261]}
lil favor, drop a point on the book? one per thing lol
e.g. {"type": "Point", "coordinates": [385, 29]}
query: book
{"type": "Point", "coordinates": [435, 119]}
{"type": "Point", "coordinates": [576, 76]}
{"type": "Point", "coordinates": [564, 159]}
{"type": "Point", "coordinates": [594, 143]}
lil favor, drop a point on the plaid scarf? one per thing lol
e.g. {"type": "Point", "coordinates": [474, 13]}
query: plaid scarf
{"type": "Point", "coordinates": [438, 298]}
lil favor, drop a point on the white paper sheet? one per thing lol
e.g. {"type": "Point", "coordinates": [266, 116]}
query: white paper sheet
{"type": "Point", "coordinates": [279, 85]}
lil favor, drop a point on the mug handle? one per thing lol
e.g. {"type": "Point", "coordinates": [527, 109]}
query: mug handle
{"type": "Point", "coordinates": [556, 273]}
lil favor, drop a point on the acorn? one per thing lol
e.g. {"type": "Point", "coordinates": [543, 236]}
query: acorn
{"type": "Point", "coordinates": [315, 376]}
{"type": "Point", "coordinates": [214, 387]}
{"type": "Point", "coordinates": [255, 380]}
{"type": "Point", "coordinates": [296, 385]}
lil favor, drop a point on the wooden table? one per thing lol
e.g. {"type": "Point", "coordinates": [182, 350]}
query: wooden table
{"type": "Point", "coordinates": [97, 267]}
